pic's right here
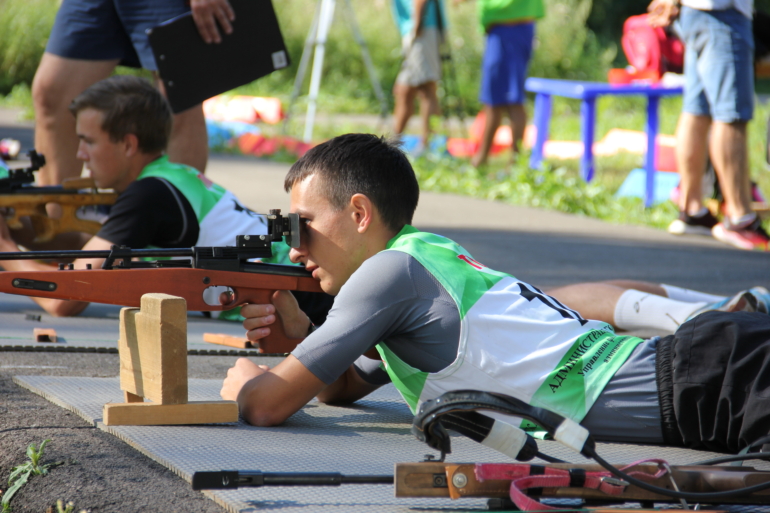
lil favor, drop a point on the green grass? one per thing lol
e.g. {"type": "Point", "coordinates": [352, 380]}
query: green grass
{"type": "Point", "coordinates": [565, 48]}
{"type": "Point", "coordinates": [20, 474]}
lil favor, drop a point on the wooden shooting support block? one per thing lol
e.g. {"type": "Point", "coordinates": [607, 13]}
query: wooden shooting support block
{"type": "Point", "coordinates": [44, 335]}
{"type": "Point", "coordinates": [153, 365]}
{"type": "Point", "coordinates": [229, 340]}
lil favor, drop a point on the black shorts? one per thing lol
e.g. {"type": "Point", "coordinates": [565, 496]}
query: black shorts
{"type": "Point", "coordinates": [102, 30]}
{"type": "Point", "coordinates": [714, 381]}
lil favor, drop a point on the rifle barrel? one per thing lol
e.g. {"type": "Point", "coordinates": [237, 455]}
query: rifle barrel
{"type": "Point", "coordinates": [69, 254]}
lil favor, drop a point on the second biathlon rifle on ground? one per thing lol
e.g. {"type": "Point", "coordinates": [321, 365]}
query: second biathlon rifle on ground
{"type": "Point", "coordinates": [122, 280]}
{"type": "Point", "coordinates": [21, 199]}
{"type": "Point", "coordinates": [647, 481]}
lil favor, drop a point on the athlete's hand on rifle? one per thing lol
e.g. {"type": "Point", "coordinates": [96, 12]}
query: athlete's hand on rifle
{"type": "Point", "coordinates": [207, 13]}
{"type": "Point", "coordinates": [259, 317]}
{"type": "Point", "coordinates": [661, 13]}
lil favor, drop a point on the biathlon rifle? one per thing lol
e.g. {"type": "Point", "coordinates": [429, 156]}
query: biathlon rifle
{"type": "Point", "coordinates": [123, 280]}
{"type": "Point", "coordinates": [20, 198]}
{"type": "Point", "coordinates": [645, 482]}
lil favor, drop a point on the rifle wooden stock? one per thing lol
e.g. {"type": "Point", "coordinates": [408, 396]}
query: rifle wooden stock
{"type": "Point", "coordinates": [46, 228]}
{"type": "Point", "coordinates": [127, 286]}
{"type": "Point", "coordinates": [435, 479]}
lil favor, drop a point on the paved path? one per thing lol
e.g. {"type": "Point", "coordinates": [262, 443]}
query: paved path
{"type": "Point", "coordinates": [543, 247]}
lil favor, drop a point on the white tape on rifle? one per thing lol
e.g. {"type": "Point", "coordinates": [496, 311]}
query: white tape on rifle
{"type": "Point", "coordinates": [505, 438]}
{"type": "Point", "coordinates": [571, 434]}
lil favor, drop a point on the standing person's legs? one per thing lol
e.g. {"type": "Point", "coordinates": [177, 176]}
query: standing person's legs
{"type": "Point", "coordinates": [692, 133]}
{"type": "Point", "coordinates": [518, 118]}
{"type": "Point", "coordinates": [729, 152]}
{"type": "Point", "coordinates": [420, 72]}
{"type": "Point", "coordinates": [189, 140]}
{"type": "Point", "coordinates": [403, 96]}
{"type": "Point", "coordinates": [57, 82]}
{"type": "Point", "coordinates": [504, 70]}
{"type": "Point", "coordinates": [428, 107]}
{"type": "Point", "coordinates": [493, 115]}
{"type": "Point", "coordinates": [723, 78]}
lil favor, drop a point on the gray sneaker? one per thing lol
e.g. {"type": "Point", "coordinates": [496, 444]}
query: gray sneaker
{"type": "Point", "coordinates": [743, 301]}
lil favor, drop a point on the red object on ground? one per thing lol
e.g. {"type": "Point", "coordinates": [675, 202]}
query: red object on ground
{"type": "Point", "coordinates": [626, 76]}
{"type": "Point", "coordinates": [247, 109]}
{"type": "Point", "coordinates": [259, 145]}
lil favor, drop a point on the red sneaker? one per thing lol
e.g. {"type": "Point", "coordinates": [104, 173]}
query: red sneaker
{"type": "Point", "coordinates": [748, 236]}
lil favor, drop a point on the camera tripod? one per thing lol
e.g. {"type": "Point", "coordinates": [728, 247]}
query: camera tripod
{"type": "Point", "coordinates": [316, 44]}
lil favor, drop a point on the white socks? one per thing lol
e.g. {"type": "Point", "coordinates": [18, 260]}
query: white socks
{"type": "Point", "coordinates": [637, 310]}
{"type": "Point", "coordinates": [689, 296]}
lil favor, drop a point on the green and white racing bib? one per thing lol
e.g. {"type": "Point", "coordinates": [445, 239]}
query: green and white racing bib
{"type": "Point", "coordinates": [514, 339]}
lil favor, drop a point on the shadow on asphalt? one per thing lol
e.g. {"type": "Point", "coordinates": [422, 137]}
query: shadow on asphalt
{"type": "Point", "coordinates": [546, 260]}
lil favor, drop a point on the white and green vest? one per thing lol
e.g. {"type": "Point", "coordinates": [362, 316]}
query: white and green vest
{"type": "Point", "coordinates": [219, 213]}
{"type": "Point", "coordinates": [514, 339]}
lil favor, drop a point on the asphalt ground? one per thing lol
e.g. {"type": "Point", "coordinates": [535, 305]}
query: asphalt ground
{"type": "Point", "coordinates": [101, 473]}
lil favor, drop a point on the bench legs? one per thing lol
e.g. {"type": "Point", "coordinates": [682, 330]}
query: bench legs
{"type": "Point", "coordinates": [542, 120]}
{"type": "Point", "coordinates": [652, 149]}
{"type": "Point", "coordinates": [588, 121]}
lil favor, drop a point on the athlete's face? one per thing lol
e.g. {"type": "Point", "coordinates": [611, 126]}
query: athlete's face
{"type": "Point", "coordinates": [107, 160]}
{"type": "Point", "coordinates": [331, 246]}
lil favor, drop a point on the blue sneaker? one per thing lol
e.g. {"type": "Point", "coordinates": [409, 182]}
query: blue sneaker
{"type": "Point", "coordinates": [744, 301]}
{"type": "Point", "coordinates": [762, 296]}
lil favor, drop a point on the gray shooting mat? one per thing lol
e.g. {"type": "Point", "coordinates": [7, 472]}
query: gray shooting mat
{"type": "Point", "coordinates": [367, 438]}
{"type": "Point", "coordinates": [97, 328]}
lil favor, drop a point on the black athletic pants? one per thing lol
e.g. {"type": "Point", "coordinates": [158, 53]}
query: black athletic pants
{"type": "Point", "coordinates": [713, 380]}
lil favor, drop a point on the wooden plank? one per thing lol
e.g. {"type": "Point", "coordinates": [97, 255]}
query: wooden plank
{"type": "Point", "coordinates": [153, 349]}
{"type": "Point", "coordinates": [132, 398]}
{"type": "Point", "coordinates": [44, 335]}
{"type": "Point", "coordinates": [149, 414]}
{"type": "Point", "coordinates": [228, 340]}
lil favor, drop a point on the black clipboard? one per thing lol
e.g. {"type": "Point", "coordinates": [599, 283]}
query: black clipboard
{"type": "Point", "coordinates": [193, 71]}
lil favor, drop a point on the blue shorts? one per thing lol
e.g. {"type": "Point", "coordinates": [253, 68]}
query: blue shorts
{"type": "Point", "coordinates": [104, 30]}
{"type": "Point", "coordinates": [504, 65]}
{"type": "Point", "coordinates": [718, 64]}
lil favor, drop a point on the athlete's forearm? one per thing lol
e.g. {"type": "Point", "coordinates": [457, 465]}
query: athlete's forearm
{"type": "Point", "coordinates": [348, 388]}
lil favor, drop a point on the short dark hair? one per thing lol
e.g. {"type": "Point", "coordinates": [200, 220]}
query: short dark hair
{"type": "Point", "coordinates": [362, 164]}
{"type": "Point", "coordinates": [131, 105]}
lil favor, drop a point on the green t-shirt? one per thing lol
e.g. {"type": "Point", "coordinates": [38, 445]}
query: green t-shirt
{"type": "Point", "coordinates": [505, 11]}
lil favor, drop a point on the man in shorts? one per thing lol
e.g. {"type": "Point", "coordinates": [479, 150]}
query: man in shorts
{"type": "Point", "coordinates": [123, 124]}
{"type": "Point", "coordinates": [89, 39]}
{"type": "Point", "coordinates": [439, 320]}
{"type": "Point", "coordinates": [718, 103]}
{"type": "Point", "coordinates": [510, 29]}
{"type": "Point", "coordinates": [421, 24]}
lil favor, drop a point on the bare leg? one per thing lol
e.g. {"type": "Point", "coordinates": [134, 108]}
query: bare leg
{"type": "Point", "coordinates": [404, 96]}
{"type": "Point", "coordinates": [592, 300]}
{"type": "Point", "coordinates": [518, 117]}
{"type": "Point", "coordinates": [57, 82]}
{"type": "Point", "coordinates": [189, 143]}
{"type": "Point", "coordinates": [691, 153]}
{"type": "Point", "coordinates": [492, 117]}
{"type": "Point", "coordinates": [730, 156]}
{"type": "Point", "coordinates": [428, 107]}
{"type": "Point", "coordinates": [642, 286]}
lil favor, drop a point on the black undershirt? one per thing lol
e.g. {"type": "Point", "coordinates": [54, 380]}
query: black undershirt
{"type": "Point", "coordinates": [151, 212]}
